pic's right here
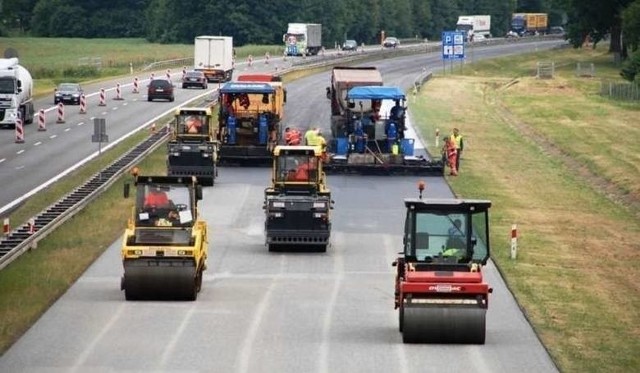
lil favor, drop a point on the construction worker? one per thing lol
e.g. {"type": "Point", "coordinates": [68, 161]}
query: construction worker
{"type": "Point", "coordinates": [193, 125]}
{"type": "Point", "coordinates": [291, 136]}
{"type": "Point", "coordinates": [449, 153]}
{"type": "Point", "coordinates": [458, 143]}
{"type": "Point", "coordinates": [310, 136]}
{"type": "Point", "coordinates": [156, 198]}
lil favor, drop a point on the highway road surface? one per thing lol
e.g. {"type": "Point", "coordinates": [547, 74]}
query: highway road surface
{"type": "Point", "coordinates": [284, 312]}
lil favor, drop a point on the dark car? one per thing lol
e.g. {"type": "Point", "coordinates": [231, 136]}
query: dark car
{"type": "Point", "coordinates": [68, 93]}
{"type": "Point", "coordinates": [194, 79]}
{"type": "Point", "coordinates": [160, 89]}
{"type": "Point", "coordinates": [391, 42]}
{"type": "Point", "coordinates": [350, 45]}
{"type": "Point", "coordinates": [556, 30]}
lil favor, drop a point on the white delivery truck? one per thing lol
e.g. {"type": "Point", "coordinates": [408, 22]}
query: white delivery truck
{"type": "Point", "coordinates": [302, 39]}
{"type": "Point", "coordinates": [474, 25]}
{"type": "Point", "coordinates": [213, 55]}
{"type": "Point", "coordinates": [16, 93]}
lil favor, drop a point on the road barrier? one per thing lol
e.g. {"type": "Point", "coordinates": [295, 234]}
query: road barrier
{"type": "Point", "coordinates": [60, 113]}
{"type": "Point", "coordinates": [103, 98]}
{"type": "Point", "coordinates": [41, 121]}
{"type": "Point", "coordinates": [135, 85]}
{"type": "Point", "coordinates": [83, 104]}
{"type": "Point", "coordinates": [19, 131]}
{"type": "Point", "coordinates": [118, 92]}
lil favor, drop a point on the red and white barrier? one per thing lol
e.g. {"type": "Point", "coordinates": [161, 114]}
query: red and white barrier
{"type": "Point", "coordinates": [60, 113]}
{"type": "Point", "coordinates": [83, 104]}
{"type": "Point", "coordinates": [41, 120]}
{"type": "Point", "coordinates": [19, 131]}
{"type": "Point", "coordinates": [118, 92]}
{"type": "Point", "coordinates": [32, 225]}
{"type": "Point", "coordinates": [135, 85]}
{"type": "Point", "coordinates": [514, 241]}
{"type": "Point", "coordinates": [6, 227]}
{"type": "Point", "coordinates": [103, 98]}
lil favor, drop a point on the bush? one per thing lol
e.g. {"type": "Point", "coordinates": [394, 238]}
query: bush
{"type": "Point", "coordinates": [631, 68]}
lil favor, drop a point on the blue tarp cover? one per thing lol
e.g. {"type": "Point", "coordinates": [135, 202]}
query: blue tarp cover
{"type": "Point", "coordinates": [375, 93]}
{"type": "Point", "coordinates": [235, 87]}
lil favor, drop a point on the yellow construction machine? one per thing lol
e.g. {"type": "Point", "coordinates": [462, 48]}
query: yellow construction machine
{"type": "Point", "coordinates": [165, 244]}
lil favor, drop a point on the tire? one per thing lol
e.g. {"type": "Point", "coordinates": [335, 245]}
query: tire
{"type": "Point", "coordinates": [184, 86]}
{"type": "Point", "coordinates": [149, 99]}
{"type": "Point", "coordinates": [400, 317]}
{"type": "Point", "coordinates": [171, 99]}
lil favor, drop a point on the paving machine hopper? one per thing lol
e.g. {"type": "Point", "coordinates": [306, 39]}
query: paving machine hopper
{"type": "Point", "coordinates": [368, 141]}
{"type": "Point", "coordinates": [440, 293]}
{"type": "Point", "coordinates": [298, 202]}
{"type": "Point", "coordinates": [248, 123]}
{"type": "Point", "coordinates": [165, 244]}
{"type": "Point", "coordinates": [193, 149]}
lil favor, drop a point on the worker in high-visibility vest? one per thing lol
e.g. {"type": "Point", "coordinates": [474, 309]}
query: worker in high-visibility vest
{"type": "Point", "coordinates": [458, 144]}
{"type": "Point", "coordinates": [291, 136]}
{"type": "Point", "coordinates": [310, 136]}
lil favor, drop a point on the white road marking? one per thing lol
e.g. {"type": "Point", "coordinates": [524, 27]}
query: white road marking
{"type": "Point", "coordinates": [20, 151]}
{"type": "Point", "coordinates": [67, 129]}
{"type": "Point", "coordinates": [391, 246]}
{"type": "Point", "coordinates": [80, 123]}
{"type": "Point", "coordinates": [3, 159]}
{"type": "Point", "coordinates": [115, 108]}
{"type": "Point", "coordinates": [168, 352]}
{"type": "Point", "coordinates": [247, 348]}
{"type": "Point", "coordinates": [38, 143]}
{"type": "Point", "coordinates": [79, 364]}
{"type": "Point", "coordinates": [53, 136]}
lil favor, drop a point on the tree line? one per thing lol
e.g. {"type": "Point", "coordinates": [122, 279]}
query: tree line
{"type": "Point", "coordinates": [264, 22]}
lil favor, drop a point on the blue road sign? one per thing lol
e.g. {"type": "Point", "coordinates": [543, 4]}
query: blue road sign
{"type": "Point", "coordinates": [452, 45]}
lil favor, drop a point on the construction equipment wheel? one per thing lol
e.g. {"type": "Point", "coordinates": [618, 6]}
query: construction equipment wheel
{"type": "Point", "coordinates": [443, 324]}
{"type": "Point", "coordinates": [160, 280]}
{"type": "Point", "coordinates": [400, 318]}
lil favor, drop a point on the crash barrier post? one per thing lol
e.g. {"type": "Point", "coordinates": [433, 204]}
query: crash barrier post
{"type": "Point", "coordinates": [514, 241]}
{"type": "Point", "coordinates": [103, 99]}
{"type": "Point", "coordinates": [153, 127]}
{"type": "Point", "coordinates": [41, 120]}
{"type": "Point", "coordinates": [168, 74]}
{"type": "Point", "coordinates": [83, 104]}
{"type": "Point", "coordinates": [60, 113]}
{"type": "Point", "coordinates": [118, 92]}
{"type": "Point", "coordinates": [151, 76]}
{"type": "Point", "coordinates": [19, 131]}
{"type": "Point", "coordinates": [6, 227]}
{"type": "Point", "coordinates": [266, 58]}
{"type": "Point", "coordinates": [437, 136]}
{"type": "Point", "coordinates": [184, 72]}
{"type": "Point", "coordinates": [32, 226]}
{"type": "Point", "coordinates": [135, 85]}
{"type": "Point", "coordinates": [249, 60]}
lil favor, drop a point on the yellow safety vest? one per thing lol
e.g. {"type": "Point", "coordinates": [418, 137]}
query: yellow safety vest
{"type": "Point", "coordinates": [310, 137]}
{"type": "Point", "coordinates": [457, 141]}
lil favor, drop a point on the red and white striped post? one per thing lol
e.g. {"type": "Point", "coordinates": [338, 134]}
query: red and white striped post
{"type": "Point", "coordinates": [103, 98]}
{"type": "Point", "coordinates": [60, 113]}
{"type": "Point", "coordinates": [135, 85]}
{"type": "Point", "coordinates": [266, 58]}
{"type": "Point", "coordinates": [19, 130]}
{"type": "Point", "coordinates": [32, 226]}
{"type": "Point", "coordinates": [184, 72]}
{"type": "Point", "coordinates": [514, 241]}
{"type": "Point", "coordinates": [437, 136]}
{"type": "Point", "coordinates": [249, 60]}
{"type": "Point", "coordinates": [83, 104]}
{"type": "Point", "coordinates": [118, 92]}
{"type": "Point", "coordinates": [41, 120]}
{"type": "Point", "coordinates": [169, 74]}
{"type": "Point", "coordinates": [6, 227]}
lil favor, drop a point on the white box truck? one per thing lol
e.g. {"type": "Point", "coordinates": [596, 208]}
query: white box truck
{"type": "Point", "coordinates": [16, 93]}
{"type": "Point", "coordinates": [213, 55]}
{"type": "Point", "coordinates": [474, 25]}
{"type": "Point", "coordinates": [302, 39]}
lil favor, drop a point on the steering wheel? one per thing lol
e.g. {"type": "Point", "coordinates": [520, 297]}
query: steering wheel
{"type": "Point", "coordinates": [181, 206]}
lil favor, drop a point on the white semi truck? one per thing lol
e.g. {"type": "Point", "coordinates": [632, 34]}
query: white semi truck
{"type": "Point", "coordinates": [474, 25]}
{"type": "Point", "coordinates": [16, 93]}
{"type": "Point", "coordinates": [302, 39]}
{"type": "Point", "coordinates": [213, 55]}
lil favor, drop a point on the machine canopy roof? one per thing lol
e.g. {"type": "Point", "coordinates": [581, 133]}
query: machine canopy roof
{"type": "Point", "coordinates": [375, 93]}
{"type": "Point", "coordinates": [247, 88]}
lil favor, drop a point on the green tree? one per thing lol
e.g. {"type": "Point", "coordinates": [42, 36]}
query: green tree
{"type": "Point", "coordinates": [631, 25]}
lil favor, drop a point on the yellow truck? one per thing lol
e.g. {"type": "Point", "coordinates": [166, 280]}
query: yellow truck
{"type": "Point", "coordinates": [525, 24]}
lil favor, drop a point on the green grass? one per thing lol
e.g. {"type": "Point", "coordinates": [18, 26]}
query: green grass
{"type": "Point", "coordinates": [527, 149]}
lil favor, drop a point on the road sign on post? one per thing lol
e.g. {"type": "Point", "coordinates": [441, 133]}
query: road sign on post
{"type": "Point", "coordinates": [99, 132]}
{"type": "Point", "coordinates": [452, 45]}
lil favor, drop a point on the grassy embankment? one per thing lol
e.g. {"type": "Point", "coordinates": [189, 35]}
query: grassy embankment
{"type": "Point", "coordinates": [564, 164]}
{"type": "Point", "coordinates": [52, 61]}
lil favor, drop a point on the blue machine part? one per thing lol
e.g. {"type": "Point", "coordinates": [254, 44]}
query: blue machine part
{"type": "Point", "coordinates": [407, 146]}
{"type": "Point", "coordinates": [263, 129]}
{"type": "Point", "coordinates": [375, 93]}
{"type": "Point", "coordinates": [360, 141]}
{"type": "Point", "coordinates": [342, 146]}
{"type": "Point", "coordinates": [231, 130]}
{"type": "Point", "coordinates": [246, 87]}
{"type": "Point", "coordinates": [392, 134]}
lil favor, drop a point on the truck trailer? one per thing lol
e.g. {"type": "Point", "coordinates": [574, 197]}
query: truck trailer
{"type": "Point", "coordinates": [16, 93]}
{"type": "Point", "coordinates": [302, 39]}
{"type": "Point", "coordinates": [474, 25]}
{"type": "Point", "coordinates": [525, 24]}
{"type": "Point", "coordinates": [213, 55]}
